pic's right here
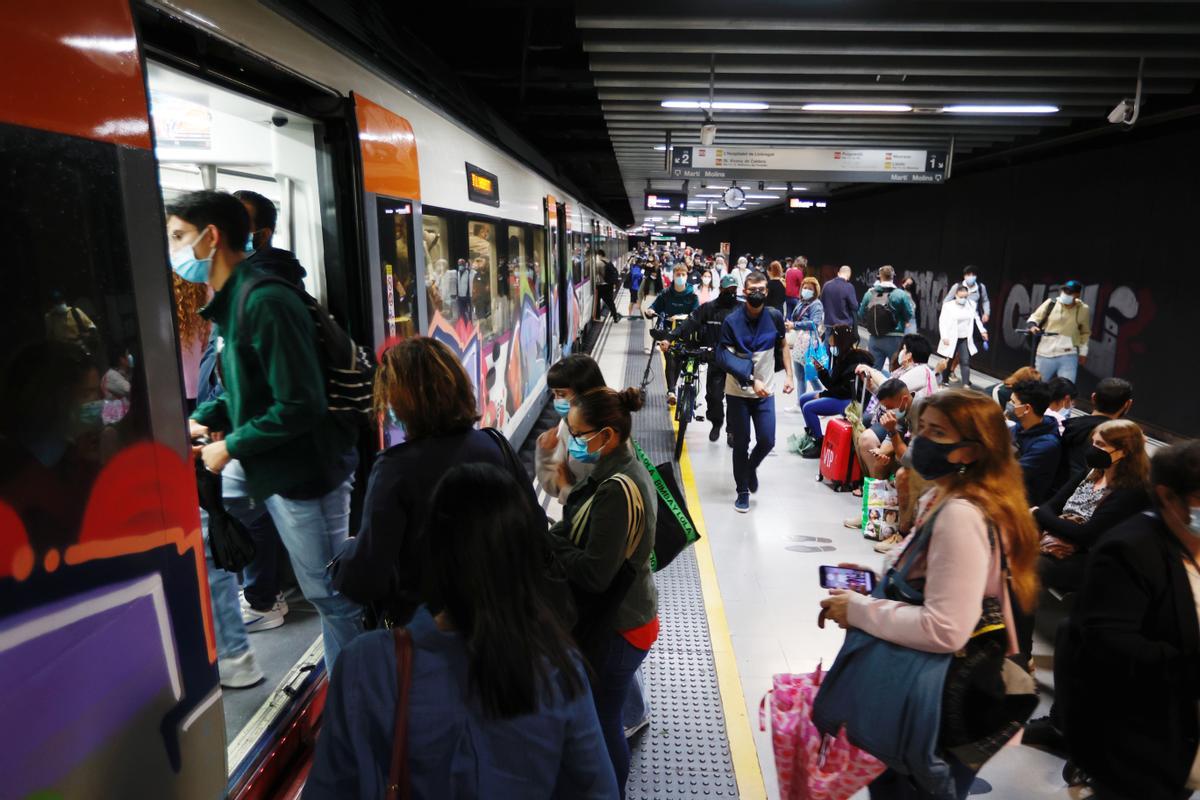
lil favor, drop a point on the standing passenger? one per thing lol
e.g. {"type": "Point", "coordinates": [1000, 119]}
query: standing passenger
{"type": "Point", "coordinates": [557, 472]}
{"type": "Point", "coordinates": [840, 300]}
{"type": "Point", "coordinates": [807, 319]}
{"type": "Point", "coordinates": [886, 310]}
{"type": "Point", "coordinates": [792, 280]}
{"type": "Point", "coordinates": [956, 326]}
{"type": "Point", "coordinates": [776, 289]}
{"type": "Point", "coordinates": [1065, 324]}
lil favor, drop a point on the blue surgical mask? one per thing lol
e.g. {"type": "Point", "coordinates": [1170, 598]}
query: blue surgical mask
{"type": "Point", "coordinates": [969, 281]}
{"type": "Point", "coordinates": [578, 449]}
{"type": "Point", "coordinates": [962, 301]}
{"type": "Point", "coordinates": [806, 294]}
{"type": "Point", "coordinates": [562, 405]}
{"type": "Point", "coordinates": [188, 266]}
{"type": "Point", "coordinates": [249, 248]}
{"type": "Point", "coordinates": [91, 414]}
{"type": "Point", "coordinates": [1066, 299]}
{"type": "Point", "coordinates": [680, 282]}
{"type": "Point", "coordinates": [397, 423]}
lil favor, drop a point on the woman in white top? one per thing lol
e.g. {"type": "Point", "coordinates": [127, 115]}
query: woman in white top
{"type": "Point", "coordinates": [558, 473]}
{"type": "Point", "coordinates": [956, 328]}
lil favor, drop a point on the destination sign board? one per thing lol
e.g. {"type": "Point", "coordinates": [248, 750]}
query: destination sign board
{"type": "Point", "coordinates": [809, 164]}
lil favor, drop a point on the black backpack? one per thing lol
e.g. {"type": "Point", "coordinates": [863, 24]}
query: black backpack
{"type": "Point", "coordinates": [880, 317]}
{"type": "Point", "coordinates": [349, 368]}
{"type": "Point", "coordinates": [612, 275]}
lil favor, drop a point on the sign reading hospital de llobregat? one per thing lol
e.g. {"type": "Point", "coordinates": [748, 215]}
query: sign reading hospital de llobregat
{"type": "Point", "coordinates": [809, 164]}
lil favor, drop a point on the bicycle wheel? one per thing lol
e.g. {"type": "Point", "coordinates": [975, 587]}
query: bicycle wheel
{"type": "Point", "coordinates": [687, 395]}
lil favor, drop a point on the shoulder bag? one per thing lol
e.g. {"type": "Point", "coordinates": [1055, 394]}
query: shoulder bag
{"type": "Point", "coordinates": [399, 782]}
{"type": "Point", "coordinates": [673, 527]}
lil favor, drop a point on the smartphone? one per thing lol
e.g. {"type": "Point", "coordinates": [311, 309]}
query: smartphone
{"type": "Point", "coordinates": [847, 578]}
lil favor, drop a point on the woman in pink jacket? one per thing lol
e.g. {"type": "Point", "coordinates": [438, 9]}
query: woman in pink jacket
{"type": "Point", "coordinates": [963, 448]}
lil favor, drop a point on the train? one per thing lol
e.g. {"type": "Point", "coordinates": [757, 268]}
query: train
{"type": "Point", "coordinates": [407, 222]}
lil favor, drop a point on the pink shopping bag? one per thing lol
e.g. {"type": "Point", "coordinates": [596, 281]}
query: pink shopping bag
{"type": "Point", "coordinates": [811, 766]}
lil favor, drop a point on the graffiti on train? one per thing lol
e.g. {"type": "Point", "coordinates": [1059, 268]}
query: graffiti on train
{"type": "Point", "coordinates": [1119, 313]}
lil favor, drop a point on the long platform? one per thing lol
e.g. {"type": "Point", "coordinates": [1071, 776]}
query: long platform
{"type": "Point", "coordinates": [742, 606]}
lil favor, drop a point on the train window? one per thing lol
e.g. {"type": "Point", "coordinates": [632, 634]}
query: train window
{"type": "Point", "coordinates": [490, 308]}
{"type": "Point", "coordinates": [395, 253]}
{"type": "Point", "coordinates": [522, 280]}
{"type": "Point", "coordinates": [540, 266]}
{"type": "Point", "coordinates": [443, 281]}
{"type": "Point", "coordinates": [576, 259]}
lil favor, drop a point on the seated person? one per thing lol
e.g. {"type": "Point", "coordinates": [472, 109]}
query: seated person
{"type": "Point", "coordinates": [913, 358]}
{"type": "Point", "coordinates": [884, 441]}
{"type": "Point", "coordinates": [1062, 400]}
{"type": "Point", "coordinates": [1112, 400]}
{"type": "Point", "coordinates": [1039, 448]}
{"type": "Point", "coordinates": [1002, 392]}
{"type": "Point", "coordinates": [839, 383]}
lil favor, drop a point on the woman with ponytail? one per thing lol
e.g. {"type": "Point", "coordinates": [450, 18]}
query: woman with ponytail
{"type": "Point", "coordinates": [980, 526]}
{"type": "Point", "coordinates": [604, 544]}
{"type": "Point", "coordinates": [497, 700]}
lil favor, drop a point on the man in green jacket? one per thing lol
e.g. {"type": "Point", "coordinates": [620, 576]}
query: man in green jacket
{"type": "Point", "coordinates": [273, 417]}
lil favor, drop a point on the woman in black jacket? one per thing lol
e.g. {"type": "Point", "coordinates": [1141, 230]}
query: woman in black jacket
{"type": "Point", "coordinates": [1132, 648]}
{"type": "Point", "coordinates": [422, 388]}
{"type": "Point", "coordinates": [839, 387]}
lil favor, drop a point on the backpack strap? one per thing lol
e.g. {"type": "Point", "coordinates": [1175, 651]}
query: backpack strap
{"type": "Point", "coordinates": [252, 283]}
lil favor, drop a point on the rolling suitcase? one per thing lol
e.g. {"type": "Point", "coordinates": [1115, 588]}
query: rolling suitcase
{"type": "Point", "coordinates": [839, 465]}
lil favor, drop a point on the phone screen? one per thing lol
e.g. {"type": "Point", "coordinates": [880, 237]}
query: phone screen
{"type": "Point", "coordinates": [847, 578]}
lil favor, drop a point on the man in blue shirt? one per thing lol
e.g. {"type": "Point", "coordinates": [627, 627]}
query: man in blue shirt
{"type": "Point", "coordinates": [1039, 447]}
{"type": "Point", "coordinates": [750, 355]}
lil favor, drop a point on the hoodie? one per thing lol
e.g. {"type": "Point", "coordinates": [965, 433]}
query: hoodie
{"type": "Point", "coordinates": [673, 303]}
{"type": "Point", "coordinates": [1039, 450]}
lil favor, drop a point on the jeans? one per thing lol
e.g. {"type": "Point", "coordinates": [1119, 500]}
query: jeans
{"type": "Point", "coordinates": [891, 785]}
{"type": "Point", "coordinates": [232, 639]}
{"type": "Point", "coordinates": [614, 677]}
{"type": "Point", "coordinates": [790, 306]}
{"type": "Point", "coordinates": [313, 532]}
{"type": "Point", "coordinates": [810, 387]}
{"type": "Point", "coordinates": [260, 578]}
{"type": "Point", "coordinates": [637, 702]}
{"type": "Point", "coordinates": [743, 410]}
{"type": "Point", "coordinates": [1063, 366]}
{"type": "Point", "coordinates": [884, 348]}
{"type": "Point", "coordinates": [815, 407]}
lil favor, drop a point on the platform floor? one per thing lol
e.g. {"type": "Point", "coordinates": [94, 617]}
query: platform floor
{"type": "Point", "coordinates": [764, 594]}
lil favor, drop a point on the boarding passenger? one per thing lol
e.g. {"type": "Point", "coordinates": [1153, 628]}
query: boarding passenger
{"type": "Point", "coordinates": [608, 280]}
{"type": "Point", "coordinates": [885, 310]}
{"type": "Point", "coordinates": [840, 300]}
{"type": "Point", "coordinates": [557, 471]}
{"type": "Point", "coordinates": [1062, 400]}
{"type": "Point", "coordinates": [298, 459]}
{"type": "Point", "coordinates": [839, 382]}
{"type": "Point", "coordinates": [422, 387]}
{"type": "Point", "coordinates": [604, 544]}
{"type": "Point", "coordinates": [793, 278]}
{"type": "Point", "coordinates": [956, 327]}
{"type": "Point", "coordinates": [1131, 647]}
{"type": "Point", "coordinates": [750, 352]}
{"type": "Point", "coordinates": [705, 323]}
{"type": "Point", "coordinates": [808, 321]}
{"type": "Point", "coordinates": [1039, 447]}
{"type": "Point", "coordinates": [1065, 326]}
{"type": "Point", "coordinates": [776, 289]}
{"type": "Point", "coordinates": [678, 301]}
{"type": "Point", "coordinates": [977, 518]}
{"type": "Point", "coordinates": [1112, 400]}
{"type": "Point", "coordinates": [496, 696]}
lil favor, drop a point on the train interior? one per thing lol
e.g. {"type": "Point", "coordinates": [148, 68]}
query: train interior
{"type": "Point", "coordinates": [208, 137]}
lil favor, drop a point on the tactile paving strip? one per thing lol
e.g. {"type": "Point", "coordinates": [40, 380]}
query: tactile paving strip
{"type": "Point", "coordinates": [685, 750]}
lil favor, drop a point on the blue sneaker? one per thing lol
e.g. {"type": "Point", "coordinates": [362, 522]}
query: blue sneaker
{"type": "Point", "coordinates": [742, 504]}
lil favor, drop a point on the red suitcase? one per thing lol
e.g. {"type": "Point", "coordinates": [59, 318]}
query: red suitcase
{"type": "Point", "coordinates": [839, 465]}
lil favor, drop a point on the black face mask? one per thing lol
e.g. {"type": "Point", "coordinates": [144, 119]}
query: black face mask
{"type": "Point", "coordinates": [930, 458]}
{"type": "Point", "coordinates": [727, 298]}
{"type": "Point", "coordinates": [756, 299]}
{"type": "Point", "coordinates": [1098, 459]}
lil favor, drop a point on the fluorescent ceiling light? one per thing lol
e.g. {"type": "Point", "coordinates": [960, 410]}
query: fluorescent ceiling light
{"type": "Point", "coordinates": [762, 197]}
{"type": "Point", "coordinates": [717, 105]}
{"type": "Point", "coordinates": [660, 147]}
{"type": "Point", "coordinates": [748, 203]}
{"type": "Point", "coordinates": [885, 108]}
{"type": "Point", "coordinates": [993, 109]}
{"type": "Point", "coordinates": [777, 188]}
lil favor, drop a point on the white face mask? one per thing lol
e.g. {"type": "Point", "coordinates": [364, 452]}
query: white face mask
{"type": "Point", "coordinates": [962, 301]}
{"type": "Point", "coordinates": [1066, 299]}
{"type": "Point", "coordinates": [707, 281]}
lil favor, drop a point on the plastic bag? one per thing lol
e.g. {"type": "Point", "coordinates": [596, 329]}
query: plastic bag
{"type": "Point", "coordinates": [881, 509]}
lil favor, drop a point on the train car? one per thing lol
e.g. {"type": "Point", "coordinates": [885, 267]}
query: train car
{"type": "Point", "coordinates": [406, 223]}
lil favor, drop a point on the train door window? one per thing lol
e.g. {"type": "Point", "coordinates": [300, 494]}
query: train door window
{"type": "Point", "coordinates": [490, 308]}
{"type": "Point", "coordinates": [540, 266]}
{"type": "Point", "coordinates": [395, 253]}
{"type": "Point", "coordinates": [448, 281]}
{"type": "Point", "coordinates": [576, 259]}
{"type": "Point", "coordinates": [524, 278]}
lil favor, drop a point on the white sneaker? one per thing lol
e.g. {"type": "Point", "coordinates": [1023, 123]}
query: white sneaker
{"type": "Point", "coordinates": [792, 410]}
{"type": "Point", "coordinates": [646, 351]}
{"type": "Point", "coordinates": [280, 601]}
{"type": "Point", "coordinates": [241, 672]}
{"type": "Point", "coordinates": [264, 620]}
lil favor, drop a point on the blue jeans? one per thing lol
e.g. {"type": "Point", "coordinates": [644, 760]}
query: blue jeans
{"type": "Point", "coordinates": [884, 348]}
{"type": "Point", "coordinates": [815, 407]}
{"type": "Point", "coordinates": [891, 785]}
{"type": "Point", "coordinates": [739, 413]}
{"type": "Point", "coordinates": [260, 578]}
{"type": "Point", "coordinates": [1063, 366]}
{"type": "Point", "coordinates": [614, 678]}
{"type": "Point", "coordinates": [313, 532]}
{"type": "Point", "coordinates": [232, 639]}
{"type": "Point", "coordinates": [789, 306]}
{"type": "Point", "coordinates": [809, 387]}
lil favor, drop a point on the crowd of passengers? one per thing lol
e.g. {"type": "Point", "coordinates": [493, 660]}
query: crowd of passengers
{"type": "Point", "coordinates": [476, 650]}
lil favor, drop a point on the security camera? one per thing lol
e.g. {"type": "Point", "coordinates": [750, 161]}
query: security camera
{"type": "Point", "coordinates": [279, 120]}
{"type": "Point", "coordinates": [708, 134]}
{"type": "Point", "coordinates": [1122, 112]}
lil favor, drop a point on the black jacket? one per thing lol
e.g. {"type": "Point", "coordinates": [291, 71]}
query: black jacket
{"type": "Point", "coordinates": [1076, 441]}
{"type": "Point", "coordinates": [839, 384]}
{"type": "Point", "coordinates": [1133, 651]}
{"type": "Point", "coordinates": [705, 322]}
{"type": "Point", "coordinates": [1118, 506]}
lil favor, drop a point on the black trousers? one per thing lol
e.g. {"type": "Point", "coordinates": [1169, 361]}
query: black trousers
{"type": "Point", "coordinates": [605, 291]}
{"type": "Point", "coordinates": [714, 396]}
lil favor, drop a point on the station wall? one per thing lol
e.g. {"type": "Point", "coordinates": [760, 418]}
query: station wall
{"type": "Point", "coordinates": [1122, 219]}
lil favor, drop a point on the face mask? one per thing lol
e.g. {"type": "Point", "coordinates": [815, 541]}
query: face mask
{"type": "Point", "coordinates": [833, 351]}
{"type": "Point", "coordinates": [707, 281]}
{"type": "Point", "coordinates": [680, 282]}
{"type": "Point", "coordinates": [1098, 459]}
{"type": "Point", "coordinates": [91, 414]}
{"type": "Point", "coordinates": [249, 248]}
{"type": "Point", "coordinates": [1066, 299]}
{"type": "Point", "coordinates": [188, 266]}
{"type": "Point", "coordinates": [969, 281]}
{"type": "Point", "coordinates": [578, 449]}
{"type": "Point", "coordinates": [962, 301]}
{"type": "Point", "coordinates": [397, 423]}
{"type": "Point", "coordinates": [901, 413]}
{"type": "Point", "coordinates": [931, 459]}
{"type": "Point", "coordinates": [756, 299]}
{"type": "Point", "coordinates": [562, 405]}
{"type": "Point", "coordinates": [903, 358]}
{"type": "Point", "coordinates": [806, 294]}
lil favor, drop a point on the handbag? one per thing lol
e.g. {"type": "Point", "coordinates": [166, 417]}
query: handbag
{"type": "Point", "coordinates": [809, 765]}
{"type": "Point", "coordinates": [399, 783]}
{"type": "Point", "coordinates": [228, 541]}
{"type": "Point", "coordinates": [673, 527]}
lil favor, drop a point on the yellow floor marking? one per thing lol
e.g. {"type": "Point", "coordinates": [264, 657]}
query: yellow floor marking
{"type": "Point", "coordinates": [742, 751]}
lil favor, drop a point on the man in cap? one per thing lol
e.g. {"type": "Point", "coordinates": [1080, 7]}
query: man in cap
{"type": "Point", "coordinates": [1065, 325]}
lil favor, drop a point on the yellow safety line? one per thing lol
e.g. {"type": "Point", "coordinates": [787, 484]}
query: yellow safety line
{"type": "Point", "coordinates": [742, 751]}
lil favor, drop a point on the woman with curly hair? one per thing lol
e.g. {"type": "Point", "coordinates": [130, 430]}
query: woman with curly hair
{"type": "Point", "coordinates": [193, 329]}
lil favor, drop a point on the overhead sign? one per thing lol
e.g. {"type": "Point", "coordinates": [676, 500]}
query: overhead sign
{"type": "Point", "coordinates": [666, 201]}
{"type": "Point", "coordinates": [482, 186]}
{"type": "Point", "coordinates": [685, 219]}
{"type": "Point", "coordinates": [809, 164]}
{"type": "Point", "coordinates": [657, 238]}
{"type": "Point", "coordinates": [801, 203]}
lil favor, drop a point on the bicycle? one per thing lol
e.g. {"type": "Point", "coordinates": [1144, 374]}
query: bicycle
{"type": "Point", "coordinates": [689, 382]}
